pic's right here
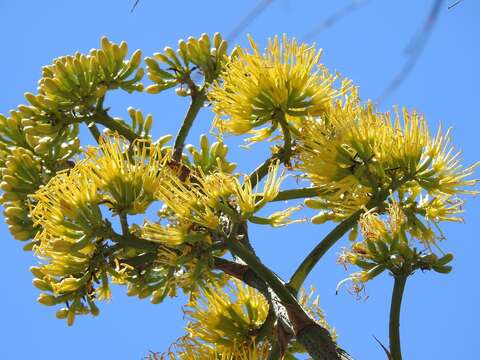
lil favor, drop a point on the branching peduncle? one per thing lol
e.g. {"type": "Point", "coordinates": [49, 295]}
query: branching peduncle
{"type": "Point", "coordinates": [198, 99]}
{"type": "Point", "coordinates": [316, 254]}
{"type": "Point", "coordinates": [128, 240]}
{"type": "Point", "coordinates": [283, 154]}
{"type": "Point", "coordinates": [101, 117]}
{"type": "Point", "coordinates": [94, 131]}
{"type": "Point", "coordinates": [328, 241]}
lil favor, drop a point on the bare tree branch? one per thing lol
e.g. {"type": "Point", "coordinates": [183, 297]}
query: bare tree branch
{"type": "Point", "coordinates": [334, 18]}
{"type": "Point", "coordinates": [454, 4]}
{"type": "Point", "coordinates": [254, 13]}
{"type": "Point", "coordinates": [414, 50]}
{"type": "Point", "coordinates": [134, 5]}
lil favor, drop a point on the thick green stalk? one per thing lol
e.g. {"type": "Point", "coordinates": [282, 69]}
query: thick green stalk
{"type": "Point", "coordinates": [198, 99]}
{"type": "Point", "coordinates": [261, 270]}
{"type": "Point", "coordinates": [316, 254]}
{"type": "Point", "coordinates": [328, 241]}
{"type": "Point", "coordinates": [128, 240]}
{"type": "Point", "coordinates": [101, 117]}
{"type": "Point", "coordinates": [394, 325]}
{"type": "Point", "coordinates": [316, 339]}
{"type": "Point", "coordinates": [297, 194]}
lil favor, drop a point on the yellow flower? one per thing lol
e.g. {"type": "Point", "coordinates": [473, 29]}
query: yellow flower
{"type": "Point", "coordinates": [187, 200]}
{"type": "Point", "coordinates": [441, 208]}
{"type": "Point", "coordinates": [355, 152]}
{"type": "Point", "coordinates": [249, 200]}
{"type": "Point", "coordinates": [287, 80]}
{"type": "Point", "coordinates": [202, 198]}
{"type": "Point", "coordinates": [225, 319]}
{"type": "Point", "coordinates": [278, 218]}
{"type": "Point", "coordinates": [188, 348]}
{"type": "Point", "coordinates": [129, 180]}
{"type": "Point", "coordinates": [67, 211]}
{"type": "Point", "coordinates": [223, 322]}
{"type": "Point", "coordinates": [169, 234]}
{"type": "Point", "coordinates": [441, 169]}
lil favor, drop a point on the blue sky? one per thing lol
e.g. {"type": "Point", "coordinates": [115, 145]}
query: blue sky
{"type": "Point", "coordinates": [439, 316]}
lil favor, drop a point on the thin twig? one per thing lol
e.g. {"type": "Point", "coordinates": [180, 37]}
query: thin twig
{"type": "Point", "coordinates": [454, 4]}
{"type": "Point", "coordinates": [389, 357]}
{"type": "Point", "coordinates": [134, 5]}
{"type": "Point", "coordinates": [414, 50]}
{"type": "Point", "coordinates": [254, 13]}
{"type": "Point", "coordinates": [334, 18]}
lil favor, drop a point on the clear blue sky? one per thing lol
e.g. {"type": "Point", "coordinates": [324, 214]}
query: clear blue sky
{"type": "Point", "coordinates": [440, 314]}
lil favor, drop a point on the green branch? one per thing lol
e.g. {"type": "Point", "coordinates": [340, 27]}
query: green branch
{"type": "Point", "coordinates": [311, 335]}
{"type": "Point", "coordinates": [394, 325]}
{"type": "Point", "coordinates": [94, 131]}
{"type": "Point", "coordinates": [287, 137]}
{"type": "Point", "coordinates": [297, 194]}
{"type": "Point", "coordinates": [316, 254]}
{"type": "Point", "coordinates": [128, 241]}
{"type": "Point", "coordinates": [101, 117]}
{"type": "Point", "coordinates": [283, 154]}
{"type": "Point", "coordinates": [328, 241]}
{"type": "Point", "coordinates": [198, 99]}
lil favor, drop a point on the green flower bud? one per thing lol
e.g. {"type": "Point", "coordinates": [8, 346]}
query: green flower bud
{"type": "Point", "coordinates": [46, 299]}
{"type": "Point", "coordinates": [62, 313]}
{"type": "Point", "coordinates": [41, 285]}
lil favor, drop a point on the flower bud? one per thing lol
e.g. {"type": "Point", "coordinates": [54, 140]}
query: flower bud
{"type": "Point", "coordinates": [46, 299]}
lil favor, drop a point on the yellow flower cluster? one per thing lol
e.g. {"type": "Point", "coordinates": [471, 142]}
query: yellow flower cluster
{"type": "Point", "coordinates": [355, 153]}
{"type": "Point", "coordinates": [225, 320]}
{"type": "Point", "coordinates": [77, 81]}
{"type": "Point", "coordinates": [281, 86]}
{"type": "Point", "coordinates": [127, 178]}
{"type": "Point", "coordinates": [205, 54]}
{"type": "Point", "coordinates": [204, 197]}
{"type": "Point", "coordinates": [350, 151]}
{"type": "Point", "coordinates": [72, 229]}
{"type": "Point", "coordinates": [386, 246]}
{"type": "Point", "coordinates": [224, 324]}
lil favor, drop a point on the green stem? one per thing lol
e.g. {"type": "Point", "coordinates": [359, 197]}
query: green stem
{"type": "Point", "coordinates": [328, 241]}
{"type": "Point", "coordinates": [101, 117]}
{"type": "Point", "coordinates": [198, 99]}
{"type": "Point", "coordinates": [94, 131]}
{"type": "Point", "coordinates": [316, 254]}
{"type": "Point", "coordinates": [128, 241]}
{"type": "Point", "coordinates": [259, 173]}
{"type": "Point", "coordinates": [261, 270]}
{"type": "Point", "coordinates": [394, 325]}
{"type": "Point", "coordinates": [287, 137]}
{"type": "Point", "coordinates": [312, 336]}
{"type": "Point", "coordinates": [297, 194]}
{"type": "Point", "coordinates": [283, 155]}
